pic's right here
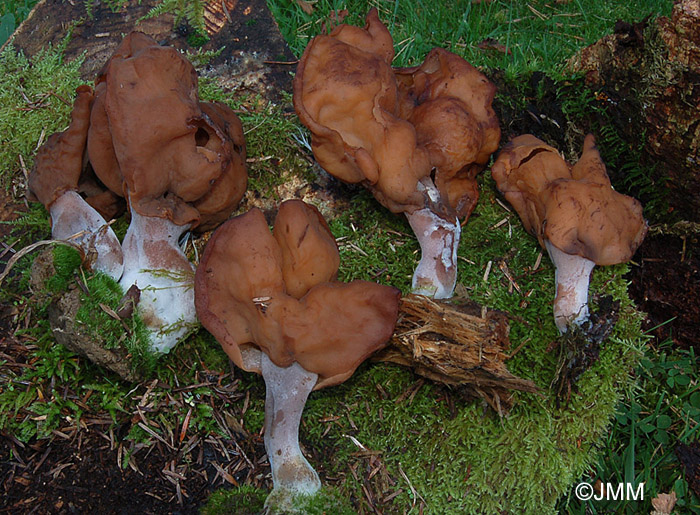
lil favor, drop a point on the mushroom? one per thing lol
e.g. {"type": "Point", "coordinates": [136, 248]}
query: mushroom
{"type": "Point", "coordinates": [574, 213]}
{"type": "Point", "coordinates": [179, 163]}
{"type": "Point", "coordinates": [56, 180]}
{"type": "Point", "coordinates": [274, 304]}
{"type": "Point", "coordinates": [415, 137]}
{"type": "Point", "coordinates": [144, 136]}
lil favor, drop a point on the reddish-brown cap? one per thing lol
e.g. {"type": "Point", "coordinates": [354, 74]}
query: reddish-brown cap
{"type": "Point", "coordinates": [388, 128]}
{"type": "Point", "coordinates": [450, 104]}
{"type": "Point", "coordinates": [241, 298]}
{"type": "Point", "coordinates": [152, 140]}
{"type": "Point", "coordinates": [59, 162]}
{"type": "Point", "coordinates": [347, 96]}
{"type": "Point", "coordinates": [574, 208]}
{"type": "Point", "coordinates": [309, 252]}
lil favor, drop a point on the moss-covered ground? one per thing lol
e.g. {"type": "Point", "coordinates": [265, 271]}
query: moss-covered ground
{"type": "Point", "coordinates": [384, 440]}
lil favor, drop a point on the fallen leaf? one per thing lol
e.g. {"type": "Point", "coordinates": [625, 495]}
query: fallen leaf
{"type": "Point", "coordinates": [663, 504]}
{"type": "Point", "coordinates": [307, 7]}
{"type": "Point", "coordinates": [492, 44]}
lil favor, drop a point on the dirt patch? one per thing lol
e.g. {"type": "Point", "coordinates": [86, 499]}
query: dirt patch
{"type": "Point", "coordinates": [648, 74]}
{"type": "Point", "coordinates": [92, 466]}
{"type": "Point", "coordinates": [665, 283]}
{"type": "Point", "coordinates": [253, 57]}
{"type": "Point", "coordinates": [689, 456]}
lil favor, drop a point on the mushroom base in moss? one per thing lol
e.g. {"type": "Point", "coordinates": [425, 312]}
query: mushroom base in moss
{"type": "Point", "coordinates": [156, 265]}
{"type": "Point", "coordinates": [571, 276]}
{"type": "Point", "coordinates": [74, 220]}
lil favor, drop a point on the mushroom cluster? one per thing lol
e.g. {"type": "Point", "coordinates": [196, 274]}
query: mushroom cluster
{"type": "Point", "coordinates": [142, 136]}
{"type": "Point", "coordinates": [574, 213]}
{"type": "Point", "coordinates": [274, 303]}
{"type": "Point", "coordinates": [415, 137]}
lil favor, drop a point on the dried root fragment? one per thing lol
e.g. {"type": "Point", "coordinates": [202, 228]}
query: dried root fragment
{"type": "Point", "coordinates": [458, 345]}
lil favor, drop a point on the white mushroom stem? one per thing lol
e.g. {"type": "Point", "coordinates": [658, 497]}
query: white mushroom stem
{"type": "Point", "coordinates": [436, 273]}
{"type": "Point", "coordinates": [572, 276]}
{"type": "Point", "coordinates": [73, 219]}
{"type": "Point", "coordinates": [286, 392]}
{"type": "Point", "coordinates": [154, 262]}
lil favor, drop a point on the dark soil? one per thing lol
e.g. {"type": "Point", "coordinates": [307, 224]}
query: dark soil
{"type": "Point", "coordinates": [92, 466]}
{"type": "Point", "coordinates": [79, 474]}
{"type": "Point", "coordinates": [665, 283]}
{"type": "Point", "coordinates": [689, 456]}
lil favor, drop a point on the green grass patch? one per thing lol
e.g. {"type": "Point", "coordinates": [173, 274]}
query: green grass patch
{"type": "Point", "coordinates": [534, 35]}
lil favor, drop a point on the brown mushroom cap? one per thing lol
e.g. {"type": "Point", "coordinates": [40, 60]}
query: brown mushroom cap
{"type": "Point", "coordinates": [152, 140]}
{"type": "Point", "coordinates": [454, 119]}
{"type": "Point", "coordinates": [388, 128]}
{"type": "Point", "coordinates": [347, 96]}
{"type": "Point", "coordinates": [309, 251]}
{"type": "Point", "coordinates": [227, 190]}
{"type": "Point", "coordinates": [241, 298]}
{"type": "Point", "coordinates": [59, 162]}
{"type": "Point", "coordinates": [574, 208]}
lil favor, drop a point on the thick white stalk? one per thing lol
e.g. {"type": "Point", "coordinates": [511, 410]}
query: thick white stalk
{"type": "Point", "coordinates": [154, 262]}
{"type": "Point", "coordinates": [286, 392]}
{"type": "Point", "coordinates": [572, 276]}
{"type": "Point", "coordinates": [73, 219]}
{"type": "Point", "coordinates": [436, 273]}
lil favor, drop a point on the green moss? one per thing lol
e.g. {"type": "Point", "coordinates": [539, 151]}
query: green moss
{"type": "Point", "coordinates": [36, 97]}
{"type": "Point", "coordinates": [242, 500]}
{"type": "Point", "coordinates": [375, 245]}
{"type": "Point", "coordinates": [66, 261]}
{"type": "Point", "coordinates": [328, 500]}
{"type": "Point", "coordinates": [103, 290]}
{"type": "Point", "coordinates": [101, 294]}
{"type": "Point", "coordinates": [466, 459]}
{"type": "Point", "coordinates": [246, 500]}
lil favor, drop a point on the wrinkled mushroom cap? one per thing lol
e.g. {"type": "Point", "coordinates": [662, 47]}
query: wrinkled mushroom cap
{"type": "Point", "coordinates": [347, 96]}
{"type": "Point", "coordinates": [574, 208]}
{"type": "Point", "coordinates": [152, 140]}
{"type": "Point", "coordinates": [241, 298]}
{"type": "Point", "coordinates": [389, 128]}
{"type": "Point", "coordinates": [444, 75]}
{"type": "Point", "coordinates": [450, 104]}
{"type": "Point", "coordinates": [60, 165]}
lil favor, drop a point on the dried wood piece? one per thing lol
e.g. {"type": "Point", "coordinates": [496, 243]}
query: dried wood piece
{"type": "Point", "coordinates": [457, 345]}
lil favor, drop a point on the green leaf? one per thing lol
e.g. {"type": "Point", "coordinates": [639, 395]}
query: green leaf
{"type": "Point", "coordinates": [7, 27]}
{"type": "Point", "coordinates": [663, 422]}
{"type": "Point", "coordinates": [621, 419]}
{"type": "Point", "coordinates": [646, 427]}
{"type": "Point", "coordinates": [682, 380]}
{"type": "Point", "coordinates": [661, 437]}
{"type": "Point", "coordinates": [695, 400]}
